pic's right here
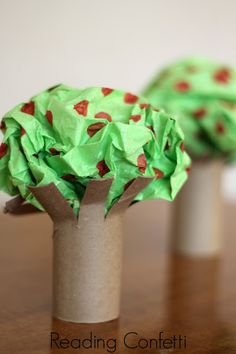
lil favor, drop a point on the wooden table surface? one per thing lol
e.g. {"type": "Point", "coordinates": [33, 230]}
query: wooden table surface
{"type": "Point", "coordinates": [195, 298]}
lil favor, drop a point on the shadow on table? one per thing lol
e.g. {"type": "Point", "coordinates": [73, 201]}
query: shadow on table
{"type": "Point", "coordinates": [192, 305]}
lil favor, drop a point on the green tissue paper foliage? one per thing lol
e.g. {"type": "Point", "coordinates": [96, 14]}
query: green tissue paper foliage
{"type": "Point", "coordinates": [69, 136]}
{"type": "Point", "coordinates": [202, 96]}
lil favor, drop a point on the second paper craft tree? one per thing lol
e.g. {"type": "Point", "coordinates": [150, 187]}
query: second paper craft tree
{"type": "Point", "coordinates": [202, 96]}
{"type": "Point", "coordinates": [84, 156]}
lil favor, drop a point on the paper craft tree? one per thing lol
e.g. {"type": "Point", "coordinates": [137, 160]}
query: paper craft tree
{"type": "Point", "coordinates": [202, 94]}
{"type": "Point", "coordinates": [84, 156]}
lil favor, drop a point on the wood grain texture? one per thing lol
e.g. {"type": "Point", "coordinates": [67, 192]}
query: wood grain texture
{"type": "Point", "coordinates": [192, 297]}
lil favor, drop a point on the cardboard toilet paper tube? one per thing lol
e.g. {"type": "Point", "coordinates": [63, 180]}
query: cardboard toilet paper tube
{"type": "Point", "coordinates": [87, 254]}
{"type": "Point", "coordinates": [197, 212]}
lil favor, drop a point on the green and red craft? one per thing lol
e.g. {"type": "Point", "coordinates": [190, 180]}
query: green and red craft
{"type": "Point", "coordinates": [202, 96]}
{"type": "Point", "coordinates": [69, 136]}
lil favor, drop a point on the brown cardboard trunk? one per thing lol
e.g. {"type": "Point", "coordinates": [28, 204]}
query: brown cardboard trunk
{"type": "Point", "coordinates": [197, 214]}
{"type": "Point", "coordinates": [87, 265]}
{"type": "Point", "coordinates": [87, 252]}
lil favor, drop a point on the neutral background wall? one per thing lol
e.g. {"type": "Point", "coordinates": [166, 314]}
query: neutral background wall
{"type": "Point", "coordinates": [114, 43]}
